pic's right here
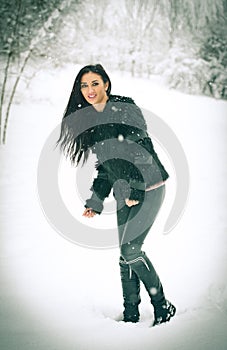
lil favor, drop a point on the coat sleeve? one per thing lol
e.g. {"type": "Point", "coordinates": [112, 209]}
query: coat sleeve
{"type": "Point", "coordinates": [101, 188]}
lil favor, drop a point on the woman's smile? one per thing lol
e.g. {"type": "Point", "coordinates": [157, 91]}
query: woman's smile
{"type": "Point", "coordinates": [92, 96]}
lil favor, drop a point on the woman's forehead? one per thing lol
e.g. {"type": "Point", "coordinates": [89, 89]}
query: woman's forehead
{"type": "Point", "coordinates": [90, 77]}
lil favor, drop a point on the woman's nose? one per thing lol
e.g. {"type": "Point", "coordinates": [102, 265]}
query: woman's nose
{"type": "Point", "coordinates": [90, 89]}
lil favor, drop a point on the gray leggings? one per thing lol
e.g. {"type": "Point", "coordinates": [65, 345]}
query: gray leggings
{"type": "Point", "coordinates": [134, 224]}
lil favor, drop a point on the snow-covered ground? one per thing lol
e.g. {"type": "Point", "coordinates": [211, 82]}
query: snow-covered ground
{"type": "Point", "coordinates": [58, 295]}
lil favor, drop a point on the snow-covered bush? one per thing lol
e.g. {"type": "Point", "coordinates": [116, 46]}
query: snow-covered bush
{"type": "Point", "coordinates": [213, 51]}
{"type": "Point", "coordinates": [185, 69]}
{"type": "Point", "coordinates": [215, 44]}
{"type": "Point", "coordinates": [216, 85]}
{"type": "Point", "coordinates": [182, 69]}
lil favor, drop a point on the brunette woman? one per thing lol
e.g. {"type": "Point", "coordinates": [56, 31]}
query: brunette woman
{"type": "Point", "coordinates": [113, 128]}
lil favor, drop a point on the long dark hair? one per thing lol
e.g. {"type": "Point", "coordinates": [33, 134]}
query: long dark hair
{"type": "Point", "coordinates": [71, 142]}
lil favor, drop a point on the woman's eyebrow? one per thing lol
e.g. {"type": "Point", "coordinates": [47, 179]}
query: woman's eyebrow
{"type": "Point", "coordinates": [93, 81]}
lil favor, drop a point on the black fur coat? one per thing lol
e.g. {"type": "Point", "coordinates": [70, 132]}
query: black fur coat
{"type": "Point", "coordinates": [126, 159]}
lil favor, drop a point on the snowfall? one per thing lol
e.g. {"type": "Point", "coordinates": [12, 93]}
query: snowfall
{"type": "Point", "coordinates": [57, 293]}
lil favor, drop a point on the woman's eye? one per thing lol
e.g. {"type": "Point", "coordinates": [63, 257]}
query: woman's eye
{"type": "Point", "coordinates": [95, 84]}
{"type": "Point", "coordinates": [83, 86]}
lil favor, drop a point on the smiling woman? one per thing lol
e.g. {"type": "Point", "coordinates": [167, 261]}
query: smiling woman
{"type": "Point", "coordinates": [114, 129]}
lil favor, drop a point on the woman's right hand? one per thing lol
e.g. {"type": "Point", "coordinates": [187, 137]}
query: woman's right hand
{"type": "Point", "coordinates": [130, 202]}
{"type": "Point", "coordinates": [89, 213]}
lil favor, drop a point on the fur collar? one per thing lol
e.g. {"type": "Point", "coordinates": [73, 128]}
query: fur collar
{"type": "Point", "coordinates": [118, 98]}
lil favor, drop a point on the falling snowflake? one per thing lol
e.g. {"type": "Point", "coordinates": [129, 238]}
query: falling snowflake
{"type": "Point", "coordinates": [153, 291]}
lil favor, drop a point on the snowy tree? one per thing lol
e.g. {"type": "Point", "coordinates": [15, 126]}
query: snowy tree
{"type": "Point", "coordinates": [24, 26]}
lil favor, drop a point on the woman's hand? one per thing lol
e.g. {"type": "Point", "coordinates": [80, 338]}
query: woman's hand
{"type": "Point", "coordinates": [89, 213]}
{"type": "Point", "coordinates": [130, 202]}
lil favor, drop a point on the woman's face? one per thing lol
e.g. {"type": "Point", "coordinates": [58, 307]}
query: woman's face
{"type": "Point", "coordinates": [93, 88]}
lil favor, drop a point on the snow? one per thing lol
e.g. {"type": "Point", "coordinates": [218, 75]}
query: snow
{"type": "Point", "coordinates": [59, 295]}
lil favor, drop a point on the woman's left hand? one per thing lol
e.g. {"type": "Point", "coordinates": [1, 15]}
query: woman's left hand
{"type": "Point", "coordinates": [89, 213]}
{"type": "Point", "coordinates": [131, 202]}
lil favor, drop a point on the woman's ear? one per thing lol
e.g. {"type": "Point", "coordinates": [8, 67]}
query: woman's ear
{"type": "Point", "coordinates": [106, 85]}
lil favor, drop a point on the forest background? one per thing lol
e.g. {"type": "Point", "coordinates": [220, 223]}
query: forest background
{"type": "Point", "coordinates": [183, 42]}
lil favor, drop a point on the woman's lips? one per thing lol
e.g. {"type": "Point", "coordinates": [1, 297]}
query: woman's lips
{"type": "Point", "coordinates": [91, 96]}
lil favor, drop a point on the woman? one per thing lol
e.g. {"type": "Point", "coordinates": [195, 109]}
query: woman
{"type": "Point", "coordinates": [113, 128]}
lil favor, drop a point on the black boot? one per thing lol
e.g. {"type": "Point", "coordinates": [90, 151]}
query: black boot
{"type": "Point", "coordinates": [143, 268]}
{"type": "Point", "coordinates": [164, 313]}
{"type": "Point", "coordinates": [131, 293]}
{"type": "Point", "coordinates": [145, 271]}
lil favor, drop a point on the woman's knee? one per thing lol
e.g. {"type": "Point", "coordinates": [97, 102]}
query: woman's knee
{"type": "Point", "coordinates": [130, 251]}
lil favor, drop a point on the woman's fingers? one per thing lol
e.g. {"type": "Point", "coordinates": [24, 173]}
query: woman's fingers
{"type": "Point", "coordinates": [89, 213]}
{"type": "Point", "coordinates": [131, 202]}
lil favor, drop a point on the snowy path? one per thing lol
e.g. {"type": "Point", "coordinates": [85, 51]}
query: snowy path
{"type": "Point", "coordinates": [57, 295]}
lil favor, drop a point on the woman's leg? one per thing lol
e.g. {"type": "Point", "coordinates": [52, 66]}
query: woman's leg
{"type": "Point", "coordinates": [129, 280]}
{"type": "Point", "coordinates": [131, 293]}
{"type": "Point", "coordinates": [134, 224]}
